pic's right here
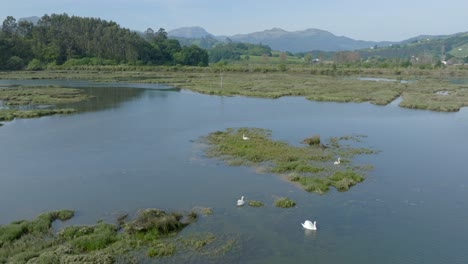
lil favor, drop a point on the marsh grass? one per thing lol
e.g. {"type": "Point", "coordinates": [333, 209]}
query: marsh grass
{"type": "Point", "coordinates": [311, 166]}
{"type": "Point", "coordinates": [35, 242]}
{"type": "Point", "coordinates": [423, 95]}
{"type": "Point", "coordinates": [255, 203]}
{"type": "Point", "coordinates": [154, 222]}
{"type": "Point", "coordinates": [162, 250]}
{"type": "Point", "coordinates": [321, 83]}
{"type": "Point", "coordinates": [202, 210]}
{"type": "Point", "coordinates": [313, 140]}
{"type": "Point", "coordinates": [46, 95]}
{"type": "Point", "coordinates": [198, 241]}
{"type": "Point", "coordinates": [342, 181]}
{"type": "Point", "coordinates": [209, 246]}
{"type": "Point", "coordinates": [34, 96]}
{"type": "Point", "coordinates": [99, 237]}
{"type": "Point", "coordinates": [8, 115]}
{"type": "Point", "coordinates": [284, 202]}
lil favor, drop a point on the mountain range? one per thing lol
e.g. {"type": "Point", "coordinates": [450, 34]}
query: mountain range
{"type": "Point", "coordinates": [282, 40]}
{"type": "Point", "coordinates": [320, 40]}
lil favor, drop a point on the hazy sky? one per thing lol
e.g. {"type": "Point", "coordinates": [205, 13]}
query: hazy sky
{"type": "Point", "coordinates": [359, 19]}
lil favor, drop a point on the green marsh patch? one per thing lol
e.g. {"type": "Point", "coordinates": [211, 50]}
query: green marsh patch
{"type": "Point", "coordinates": [254, 203]}
{"type": "Point", "coordinates": [284, 202]}
{"type": "Point", "coordinates": [47, 95]}
{"type": "Point", "coordinates": [152, 232]}
{"type": "Point", "coordinates": [311, 167]}
{"type": "Point", "coordinates": [16, 98]}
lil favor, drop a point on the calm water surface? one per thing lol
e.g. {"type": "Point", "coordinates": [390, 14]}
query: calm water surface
{"type": "Point", "coordinates": [135, 146]}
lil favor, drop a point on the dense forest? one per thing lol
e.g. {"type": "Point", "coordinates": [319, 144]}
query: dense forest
{"type": "Point", "coordinates": [61, 39]}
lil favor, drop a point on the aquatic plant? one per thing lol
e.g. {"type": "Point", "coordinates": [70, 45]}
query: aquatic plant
{"type": "Point", "coordinates": [202, 210]}
{"type": "Point", "coordinates": [161, 250]}
{"type": "Point", "coordinates": [98, 237]}
{"type": "Point", "coordinates": [313, 140]}
{"type": "Point", "coordinates": [255, 203]}
{"type": "Point", "coordinates": [156, 222]}
{"type": "Point", "coordinates": [284, 202]}
{"type": "Point", "coordinates": [198, 241]}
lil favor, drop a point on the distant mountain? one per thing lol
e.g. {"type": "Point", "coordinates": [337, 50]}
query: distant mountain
{"type": "Point", "coordinates": [189, 33]}
{"type": "Point", "coordinates": [282, 40]}
{"type": "Point", "coordinates": [32, 19]}
{"type": "Point", "coordinates": [306, 40]}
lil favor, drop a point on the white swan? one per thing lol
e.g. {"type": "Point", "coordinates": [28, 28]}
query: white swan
{"type": "Point", "coordinates": [244, 137]}
{"type": "Point", "coordinates": [240, 202]}
{"type": "Point", "coordinates": [337, 162]}
{"type": "Point", "coordinates": [309, 225]}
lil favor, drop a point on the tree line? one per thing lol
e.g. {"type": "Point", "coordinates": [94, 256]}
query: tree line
{"type": "Point", "coordinates": [60, 39]}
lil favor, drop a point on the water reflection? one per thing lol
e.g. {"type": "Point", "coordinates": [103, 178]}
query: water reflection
{"type": "Point", "coordinates": [104, 95]}
{"type": "Point", "coordinates": [310, 234]}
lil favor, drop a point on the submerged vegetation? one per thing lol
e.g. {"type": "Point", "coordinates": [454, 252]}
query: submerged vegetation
{"type": "Point", "coordinates": [17, 98]}
{"type": "Point", "coordinates": [254, 203]}
{"type": "Point", "coordinates": [152, 231]}
{"type": "Point", "coordinates": [310, 166]}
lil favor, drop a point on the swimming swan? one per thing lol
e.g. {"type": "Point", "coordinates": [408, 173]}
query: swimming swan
{"type": "Point", "coordinates": [309, 225]}
{"type": "Point", "coordinates": [240, 202]}
{"type": "Point", "coordinates": [244, 137]}
{"type": "Point", "coordinates": [337, 162]}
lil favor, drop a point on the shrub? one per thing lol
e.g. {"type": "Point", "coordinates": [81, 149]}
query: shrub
{"type": "Point", "coordinates": [15, 63]}
{"type": "Point", "coordinates": [35, 65]}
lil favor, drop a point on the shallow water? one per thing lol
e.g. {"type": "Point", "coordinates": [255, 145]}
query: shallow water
{"type": "Point", "coordinates": [135, 147]}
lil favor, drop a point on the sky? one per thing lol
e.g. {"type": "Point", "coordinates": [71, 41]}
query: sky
{"type": "Point", "coordinates": [376, 20]}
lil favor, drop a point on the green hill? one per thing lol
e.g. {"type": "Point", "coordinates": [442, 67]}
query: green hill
{"type": "Point", "coordinates": [454, 47]}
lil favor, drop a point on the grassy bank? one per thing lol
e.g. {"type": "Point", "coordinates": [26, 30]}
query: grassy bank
{"type": "Point", "coordinates": [152, 232]}
{"type": "Point", "coordinates": [47, 95]}
{"type": "Point", "coordinates": [323, 83]}
{"type": "Point", "coordinates": [311, 167]}
{"type": "Point", "coordinates": [17, 96]}
{"type": "Point", "coordinates": [8, 115]}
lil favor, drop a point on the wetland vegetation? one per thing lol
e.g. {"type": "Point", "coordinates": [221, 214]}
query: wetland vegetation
{"type": "Point", "coordinates": [311, 166]}
{"type": "Point", "coordinates": [153, 233]}
{"type": "Point", "coordinates": [29, 102]}
{"type": "Point", "coordinates": [284, 202]}
{"type": "Point", "coordinates": [254, 203]}
{"type": "Point", "coordinates": [321, 83]}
